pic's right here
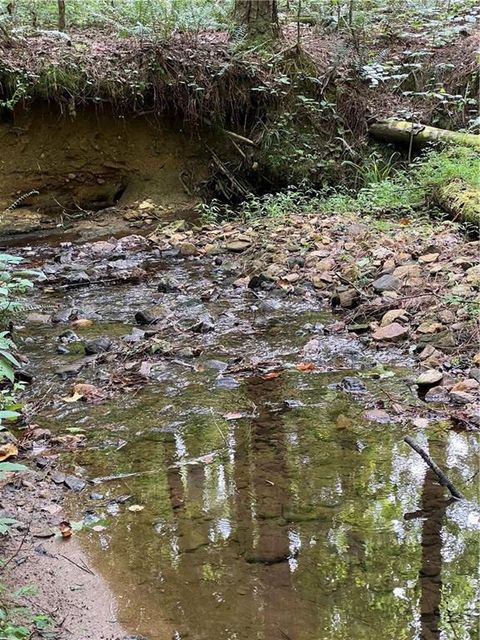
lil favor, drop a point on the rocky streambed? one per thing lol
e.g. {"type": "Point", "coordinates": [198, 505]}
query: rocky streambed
{"type": "Point", "coordinates": [217, 419]}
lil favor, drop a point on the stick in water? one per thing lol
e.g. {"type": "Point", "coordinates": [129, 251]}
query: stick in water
{"type": "Point", "coordinates": [444, 481]}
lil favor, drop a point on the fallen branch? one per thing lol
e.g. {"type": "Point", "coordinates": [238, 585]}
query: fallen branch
{"type": "Point", "coordinates": [237, 136]}
{"type": "Point", "coordinates": [459, 200]}
{"type": "Point", "coordinates": [419, 135]}
{"type": "Point", "coordinates": [444, 481]}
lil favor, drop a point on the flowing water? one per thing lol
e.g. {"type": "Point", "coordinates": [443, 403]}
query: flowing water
{"type": "Point", "coordinates": [272, 508]}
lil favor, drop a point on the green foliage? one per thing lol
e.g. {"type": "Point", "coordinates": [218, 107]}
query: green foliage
{"type": "Point", "coordinates": [142, 18]}
{"type": "Point", "coordinates": [12, 282]}
{"type": "Point", "coordinates": [388, 187]}
{"type": "Point", "coordinates": [19, 623]}
{"type": "Point", "coordinates": [6, 523]}
{"type": "Point", "coordinates": [412, 187]}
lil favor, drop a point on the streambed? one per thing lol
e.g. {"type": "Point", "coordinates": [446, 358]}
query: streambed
{"type": "Point", "coordinates": [275, 497]}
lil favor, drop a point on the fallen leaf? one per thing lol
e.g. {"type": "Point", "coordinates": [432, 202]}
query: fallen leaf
{"type": "Point", "coordinates": [421, 423]}
{"type": "Point", "coordinates": [65, 529]}
{"type": "Point", "coordinates": [82, 390]}
{"type": "Point", "coordinates": [271, 375]}
{"type": "Point", "coordinates": [136, 507]}
{"type": "Point", "coordinates": [73, 398]}
{"type": "Point", "coordinates": [305, 366]}
{"type": "Point", "coordinates": [7, 451]}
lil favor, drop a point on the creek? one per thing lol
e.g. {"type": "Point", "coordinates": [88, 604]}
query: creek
{"type": "Point", "coordinates": [272, 499]}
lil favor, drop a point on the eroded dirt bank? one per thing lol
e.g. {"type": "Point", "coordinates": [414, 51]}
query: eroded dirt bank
{"type": "Point", "coordinates": [92, 160]}
{"type": "Point", "coordinates": [223, 409]}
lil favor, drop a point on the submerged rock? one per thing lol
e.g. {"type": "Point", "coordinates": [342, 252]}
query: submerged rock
{"type": "Point", "coordinates": [97, 345]}
{"type": "Point", "coordinates": [354, 385]}
{"type": "Point", "coordinates": [226, 382]}
{"type": "Point", "coordinates": [205, 324]}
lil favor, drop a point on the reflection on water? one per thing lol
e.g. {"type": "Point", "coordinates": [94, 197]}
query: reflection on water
{"type": "Point", "coordinates": [299, 521]}
{"type": "Point", "coordinates": [288, 527]}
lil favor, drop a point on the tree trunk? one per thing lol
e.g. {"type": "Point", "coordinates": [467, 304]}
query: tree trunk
{"type": "Point", "coordinates": [259, 17]}
{"type": "Point", "coordinates": [460, 200]}
{"type": "Point", "coordinates": [420, 135]}
{"type": "Point", "coordinates": [61, 15]}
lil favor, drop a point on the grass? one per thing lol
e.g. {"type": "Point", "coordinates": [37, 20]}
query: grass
{"type": "Point", "coordinates": [411, 188]}
{"type": "Point", "coordinates": [388, 189]}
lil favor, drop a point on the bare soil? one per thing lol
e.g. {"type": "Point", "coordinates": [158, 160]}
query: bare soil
{"type": "Point", "coordinates": [78, 600]}
{"type": "Point", "coordinates": [93, 161]}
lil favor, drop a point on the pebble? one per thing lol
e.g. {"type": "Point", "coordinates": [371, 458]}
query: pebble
{"type": "Point", "coordinates": [437, 394]}
{"type": "Point", "coordinates": [74, 483]}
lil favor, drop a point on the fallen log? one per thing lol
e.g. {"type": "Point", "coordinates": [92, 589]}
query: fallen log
{"type": "Point", "coordinates": [442, 478]}
{"type": "Point", "coordinates": [460, 200]}
{"type": "Point", "coordinates": [419, 135]}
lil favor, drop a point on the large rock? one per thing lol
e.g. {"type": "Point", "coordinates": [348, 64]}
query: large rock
{"type": "Point", "coordinates": [188, 249]}
{"type": "Point", "coordinates": [148, 316]}
{"type": "Point", "coordinates": [387, 282]}
{"type": "Point", "coordinates": [348, 299]}
{"type": "Point", "coordinates": [205, 324]}
{"type": "Point", "coordinates": [461, 397]}
{"type": "Point", "coordinates": [391, 332]}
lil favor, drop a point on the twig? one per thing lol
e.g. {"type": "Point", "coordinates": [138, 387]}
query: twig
{"type": "Point", "coordinates": [5, 564]}
{"type": "Point", "coordinates": [83, 568]}
{"type": "Point", "coordinates": [444, 481]}
{"type": "Point", "coordinates": [237, 136]}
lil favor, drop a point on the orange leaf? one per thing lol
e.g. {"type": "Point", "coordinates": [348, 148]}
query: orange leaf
{"type": "Point", "coordinates": [271, 375]}
{"type": "Point", "coordinates": [65, 529]}
{"type": "Point", "coordinates": [305, 366]}
{"type": "Point", "coordinates": [7, 451]}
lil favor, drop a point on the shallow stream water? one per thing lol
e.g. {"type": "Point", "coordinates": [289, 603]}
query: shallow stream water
{"type": "Point", "coordinates": [272, 507]}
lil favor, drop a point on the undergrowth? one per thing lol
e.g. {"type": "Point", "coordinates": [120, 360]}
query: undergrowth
{"type": "Point", "coordinates": [411, 188]}
{"type": "Point", "coordinates": [389, 187]}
